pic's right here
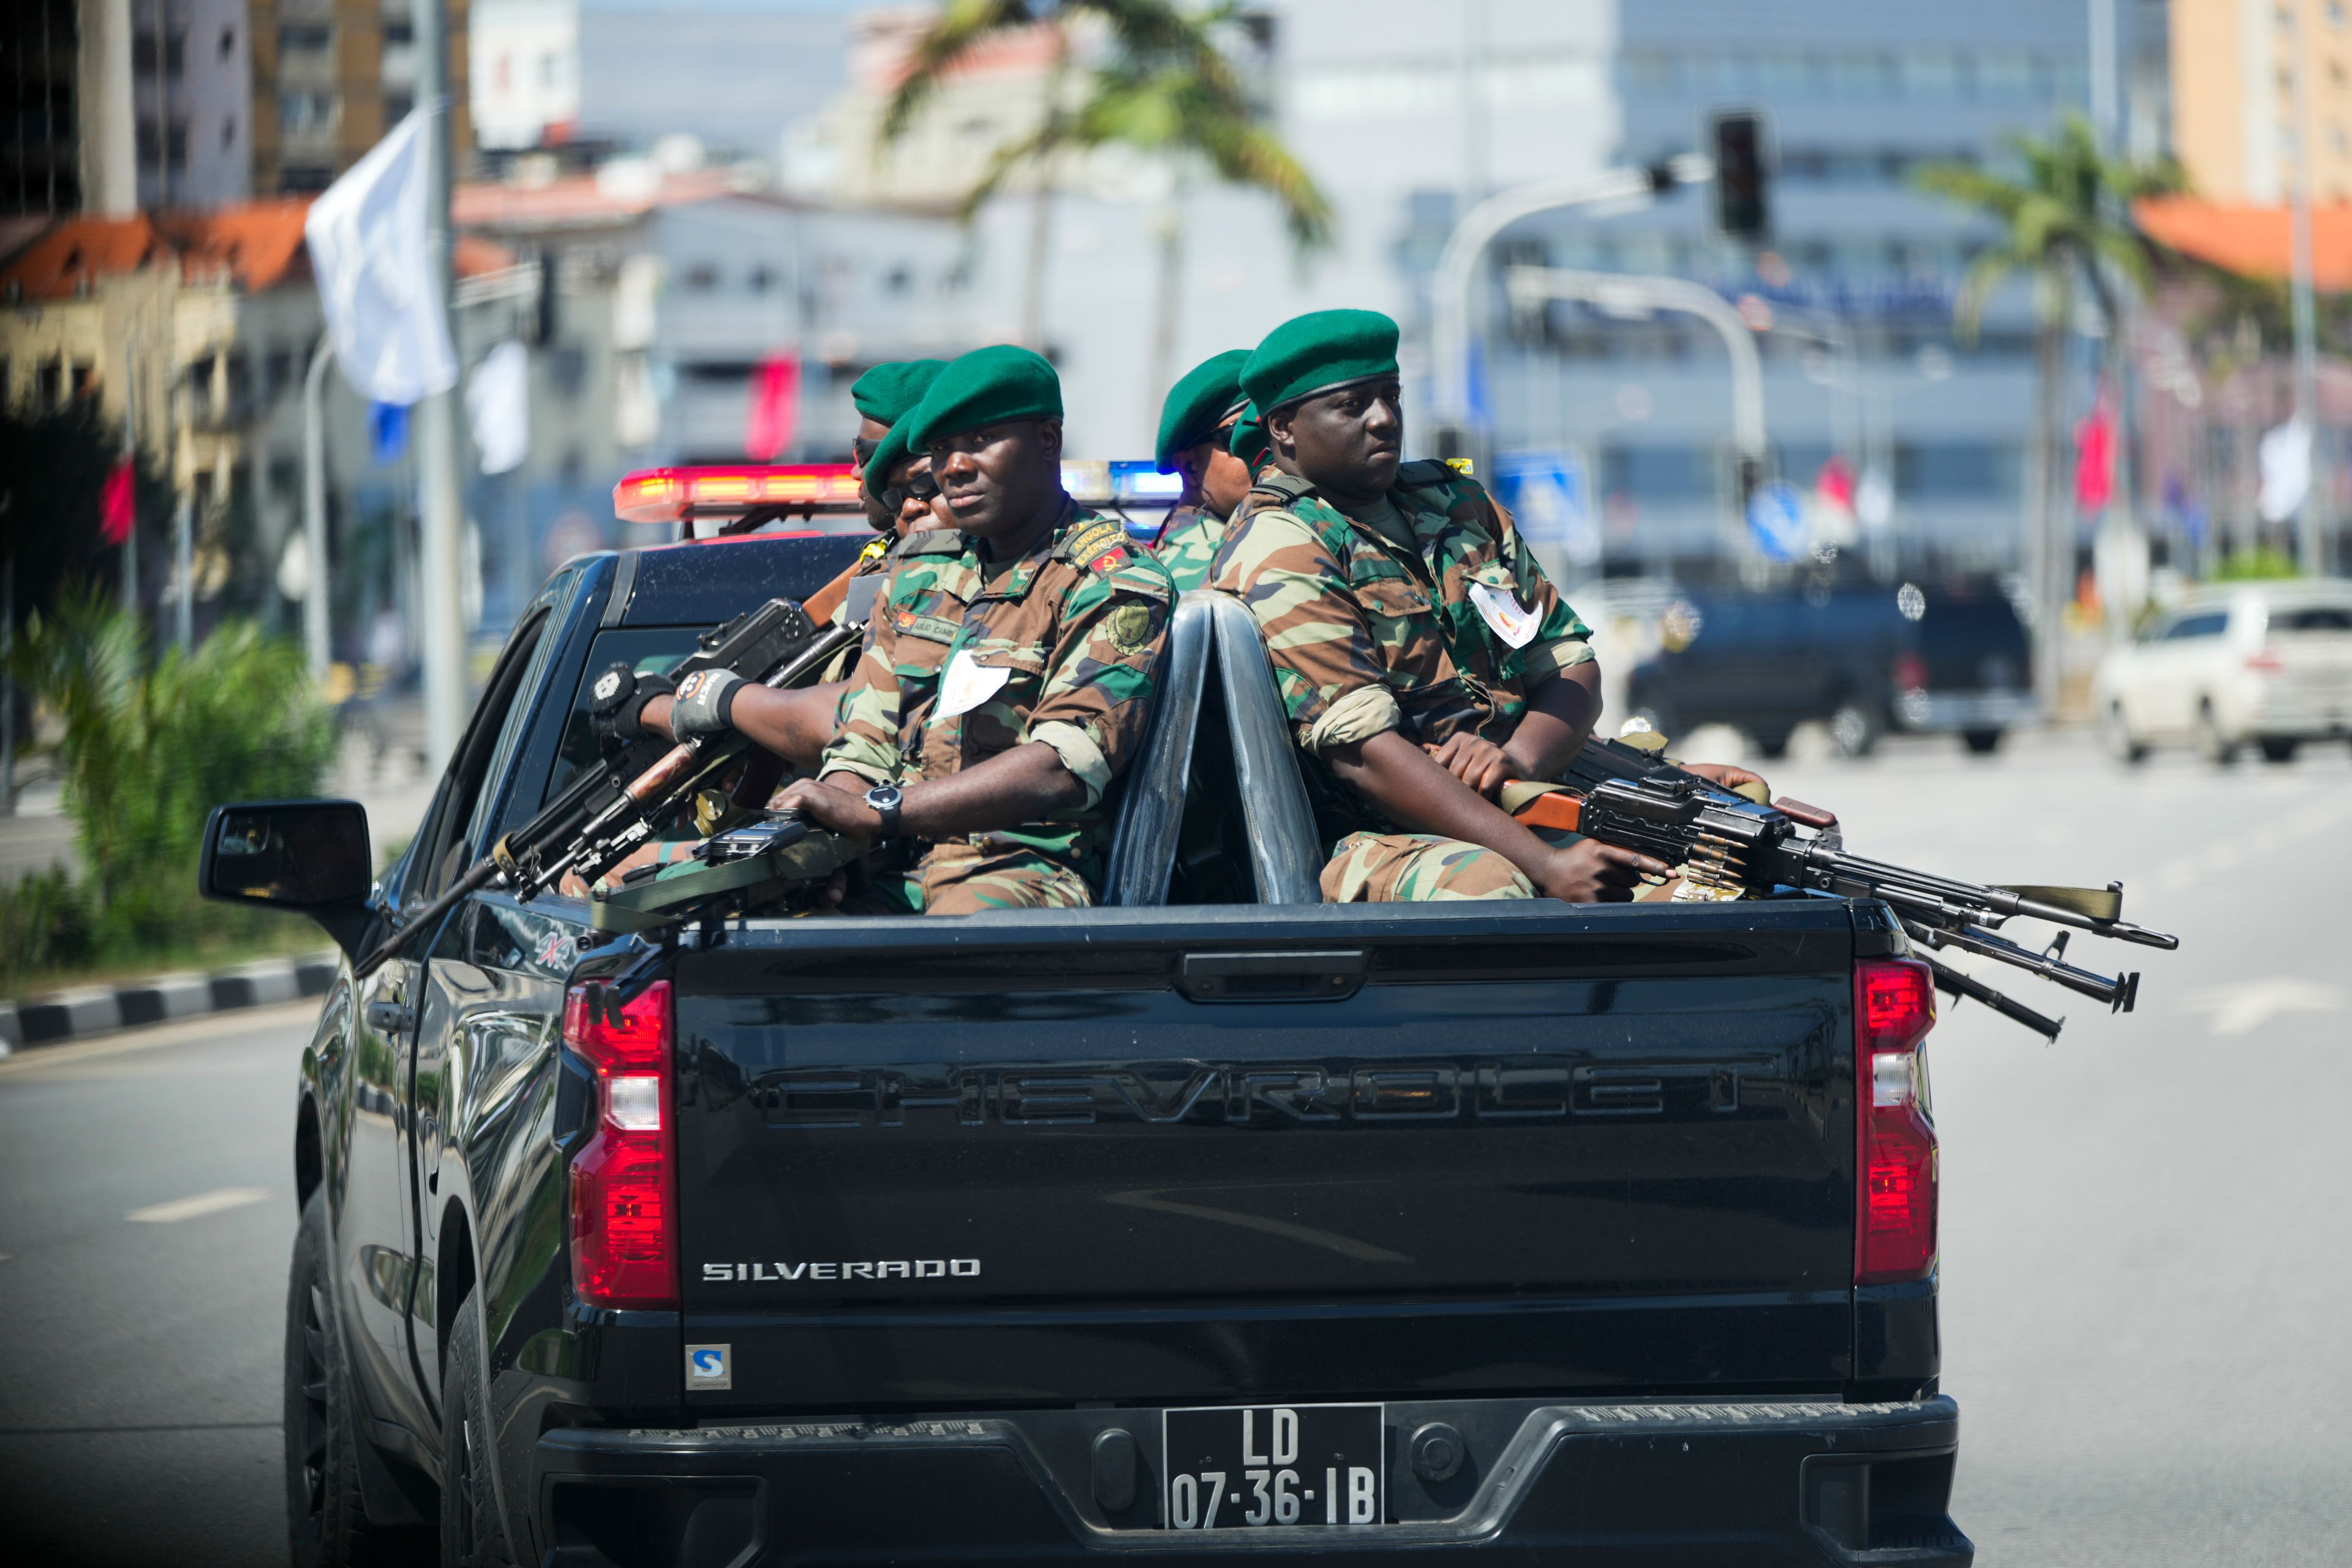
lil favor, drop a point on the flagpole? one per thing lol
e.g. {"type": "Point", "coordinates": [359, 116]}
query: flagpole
{"type": "Point", "coordinates": [443, 630]}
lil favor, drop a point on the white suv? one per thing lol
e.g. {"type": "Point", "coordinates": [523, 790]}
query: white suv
{"type": "Point", "coordinates": [2265, 663]}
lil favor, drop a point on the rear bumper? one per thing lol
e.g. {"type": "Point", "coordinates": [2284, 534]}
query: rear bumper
{"type": "Point", "coordinates": [1942, 711]}
{"type": "Point", "coordinates": [1713, 1482]}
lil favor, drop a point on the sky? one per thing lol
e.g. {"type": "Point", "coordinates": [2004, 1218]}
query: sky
{"type": "Point", "coordinates": [733, 72]}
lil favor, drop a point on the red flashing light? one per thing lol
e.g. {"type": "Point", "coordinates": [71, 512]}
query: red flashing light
{"type": "Point", "coordinates": [674, 494]}
{"type": "Point", "coordinates": [625, 1180]}
{"type": "Point", "coordinates": [1895, 1199]}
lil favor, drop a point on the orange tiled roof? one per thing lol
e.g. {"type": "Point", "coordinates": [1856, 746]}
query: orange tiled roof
{"type": "Point", "coordinates": [2253, 242]}
{"type": "Point", "coordinates": [258, 243]}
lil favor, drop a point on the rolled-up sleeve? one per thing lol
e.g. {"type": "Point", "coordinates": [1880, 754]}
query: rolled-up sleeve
{"type": "Point", "coordinates": [867, 744]}
{"type": "Point", "coordinates": [1095, 702]}
{"type": "Point", "coordinates": [1562, 640]}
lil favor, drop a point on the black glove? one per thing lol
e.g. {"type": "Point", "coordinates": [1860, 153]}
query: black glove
{"type": "Point", "coordinates": [617, 701]}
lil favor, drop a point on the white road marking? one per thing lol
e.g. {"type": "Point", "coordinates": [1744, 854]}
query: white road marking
{"type": "Point", "coordinates": [2248, 1005]}
{"type": "Point", "coordinates": [194, 1208]}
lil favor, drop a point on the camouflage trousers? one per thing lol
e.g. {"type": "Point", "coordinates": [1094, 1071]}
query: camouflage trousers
{"type": "Point", "coordinates": [1412, 867]}
{"type": "Point", "coordinates": [966, 878]}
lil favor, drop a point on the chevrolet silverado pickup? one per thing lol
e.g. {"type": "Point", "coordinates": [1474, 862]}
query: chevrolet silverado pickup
{"type": "Point", "coordinates": [1209, 1223]}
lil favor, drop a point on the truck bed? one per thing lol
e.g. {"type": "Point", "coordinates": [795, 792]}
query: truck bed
{"type": "Point", "coordinates": [1329, 1152]}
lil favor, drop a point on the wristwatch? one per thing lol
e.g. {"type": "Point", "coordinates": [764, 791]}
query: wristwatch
{"type": "Point", "coordinates": [885, 799]}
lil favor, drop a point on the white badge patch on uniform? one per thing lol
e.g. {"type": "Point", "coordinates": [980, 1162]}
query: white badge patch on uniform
{"type": "Point", "coordinates": [1513, 622]}
{"type": "Point", "coordinates": [968, 683]}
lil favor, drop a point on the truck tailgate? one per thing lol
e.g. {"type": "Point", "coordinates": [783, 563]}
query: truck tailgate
{"type": "Point", "coordinates": [1160, 1155]}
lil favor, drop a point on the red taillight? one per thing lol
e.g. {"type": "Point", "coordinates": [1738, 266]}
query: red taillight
{"type": "Point", "coordinates": [625, 1180]}
{"type": "Point", "coordinates": [2267, 663]}
{"type": "Point", "coordinates": [1895, 1203]}
{"type": "Point", "coordinates": [1910, 673]}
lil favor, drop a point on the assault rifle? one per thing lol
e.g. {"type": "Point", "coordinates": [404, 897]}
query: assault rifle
{"type": "Point", "coordinates": [633, 798]}
{"type": "Point", "coordinates": [1731, 846]}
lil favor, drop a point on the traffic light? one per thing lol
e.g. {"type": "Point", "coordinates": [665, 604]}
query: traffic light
{"type": "Point", "coordinates": [1743, 202]}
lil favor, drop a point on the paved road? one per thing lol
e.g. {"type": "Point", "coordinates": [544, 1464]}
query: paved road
{"type": "Point", "coordinates": [2144, 1246]}
{"type": "Point", "coordinates": [2145, 1268]}
{"type": "Point", "coordinates": [139, 1371]}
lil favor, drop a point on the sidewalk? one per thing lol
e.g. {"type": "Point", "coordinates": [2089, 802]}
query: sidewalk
{"type": "Point", "coordinates": [395, 792]}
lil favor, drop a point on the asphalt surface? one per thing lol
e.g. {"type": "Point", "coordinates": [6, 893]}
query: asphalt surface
{"type": "Point", "coordinates": [2144, 1246]}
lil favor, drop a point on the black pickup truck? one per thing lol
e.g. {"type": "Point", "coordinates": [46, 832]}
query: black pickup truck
{"type": "Point", "coordinates": [1212, 1221]}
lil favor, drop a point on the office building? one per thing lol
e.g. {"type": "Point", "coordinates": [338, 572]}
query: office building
{"type": "Point", "coordinates": [329, 76]}
{"type": "Point", "coordinates": [2233, 97]}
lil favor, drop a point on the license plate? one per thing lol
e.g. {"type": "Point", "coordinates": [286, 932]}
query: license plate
{"type": "Point", "coordinates": [1262, 1467]}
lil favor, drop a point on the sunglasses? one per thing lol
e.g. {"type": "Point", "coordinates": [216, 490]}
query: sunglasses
{"type": "Point", "coordinates": [864, 449]}
{"type": "Point", "coordinates": [921, 487]}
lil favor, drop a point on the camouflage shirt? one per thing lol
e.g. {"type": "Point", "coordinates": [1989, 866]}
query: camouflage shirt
{"type": "Point", "coordinates": [1188, 545]}
{"type": "Point", "coordinates": [967, 657]}
{"type": "Point", "coordinates": [1439, 622]}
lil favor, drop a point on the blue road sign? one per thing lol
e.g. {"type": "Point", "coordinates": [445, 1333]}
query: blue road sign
{"type": "Point", "coordinates": [1776, 520]}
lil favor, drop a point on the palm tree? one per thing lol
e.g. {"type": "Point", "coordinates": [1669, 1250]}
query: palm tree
{"type": "Point", "coordinates": [2065, 225]}
{"type": "Point", "coordinates": [1166, 91]}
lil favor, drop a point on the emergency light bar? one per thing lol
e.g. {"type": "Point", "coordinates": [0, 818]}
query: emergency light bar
{"type": "Point", "coordinates": [684, 495]}
{"type": "Point", "coordinates": [679, 495]}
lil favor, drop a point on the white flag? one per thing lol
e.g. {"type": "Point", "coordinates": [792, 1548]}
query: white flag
{"type": "Point", "coordinates": [498, 398]}
{"type": "Point", "coordinates": [2286, 469]}
{"type": "Point", "coordinates": [376, 281]}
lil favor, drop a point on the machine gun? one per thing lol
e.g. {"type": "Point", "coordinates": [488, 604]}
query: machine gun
{"type": "Point", "coordinates": [632, 797]}
{"type": "Point", "coordinates": [1731, 846]}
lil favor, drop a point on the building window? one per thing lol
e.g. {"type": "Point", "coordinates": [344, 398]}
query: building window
{"type": "Point", "coordinates": [299, 177]}
{"type": "Point", "coordinates": [304, 37]}
{"type": "Point", "coordinates": [307, 110]}
{"type": "Point", "coordinates": [176, 146]}
{"type": "Point", "coordinates": [702, 277]}
{"type": "Point", "coordinates": [228, 134]}
{"type": "Point", "coordinates": [85, 379]}
{"type": "Point", "coordinates": [228, 42]}
{"type": "Point", "coordinates": [50, 383]}
{"type": "Point", "coordinates": [142, 53]}
{"type": "Point", "coordinates": [396, 106]}
{"type": "Point", "coordinates": [399, 31]}
{"type": "Point", "coordinates": [176, 54]}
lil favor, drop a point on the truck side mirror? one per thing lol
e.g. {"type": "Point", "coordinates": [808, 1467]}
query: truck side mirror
{"type": "Point", "coordinates": [305, 857]}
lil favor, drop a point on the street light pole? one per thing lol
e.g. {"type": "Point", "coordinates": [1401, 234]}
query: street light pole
{"type": "Point", "coordinates": [1457, 264]}
{"type": "Point", "coordinates": [438, 504]}
{"type": "Point", "coordinates": [2310, 528]}
{"type": "Point", "coordinates": [1625, 293]}
{"type": "Point", "coordinates": [315, 630]}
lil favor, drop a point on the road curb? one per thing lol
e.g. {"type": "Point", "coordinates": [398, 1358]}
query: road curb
{"type": "Point", "coordinates": [63, 1015]}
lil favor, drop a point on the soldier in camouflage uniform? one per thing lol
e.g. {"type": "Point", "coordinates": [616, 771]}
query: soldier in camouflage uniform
{"type": "Point", "coordinates": [1421, 652]}
{"type": "Point", "coordinates": [1006, 680]}
{"type": "Point", "coordinates": [1201, 411]}
{"type": "Point", "coordinates": [886, 474]}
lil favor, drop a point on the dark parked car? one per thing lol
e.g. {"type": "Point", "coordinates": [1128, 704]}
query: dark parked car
{"type": "Point", "coordinates": [1211, 1222]}
{"type": "Point", "coordinates": [1864, 658]}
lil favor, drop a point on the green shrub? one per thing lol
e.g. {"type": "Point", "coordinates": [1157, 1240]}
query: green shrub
{"type": "Point", "coordinates": [150, 749]}
{"type": "Point", "coordinates": [44, 925]}
{"type": "Point", "coordinates": [2263, 563]}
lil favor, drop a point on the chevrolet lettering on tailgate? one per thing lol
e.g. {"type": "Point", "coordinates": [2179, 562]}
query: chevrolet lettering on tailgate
{"type": "Point", "coordinates": [889, 1268]}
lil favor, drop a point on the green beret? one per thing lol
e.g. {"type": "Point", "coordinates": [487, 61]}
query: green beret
{"type": "Point", "coordinates": [1322, 349]}
{"type": "Point", "coordinates": [887, 393]}
{"type": "Point", "coordinates": [1248, 440]}
{"type": "Point", "coordinates": [888, 453]}
{"type": "Point", "coordinates": [986, 387]}
{"type": "Point", "coordinates": [1198, 403]}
